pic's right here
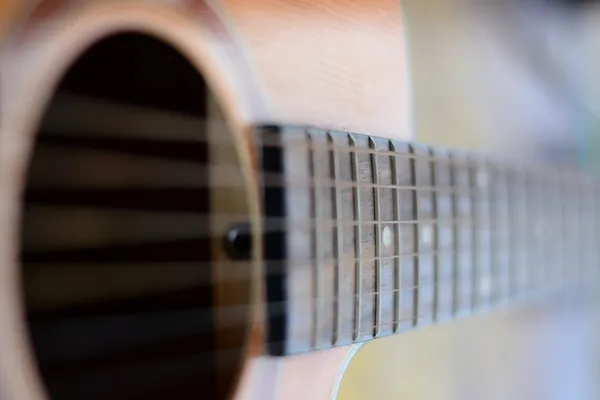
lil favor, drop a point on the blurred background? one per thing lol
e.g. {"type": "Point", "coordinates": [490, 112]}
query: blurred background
{"type": "Point", "coordinates": [504, 73]}
{"type": "Point", "coordinates": [517, 77]}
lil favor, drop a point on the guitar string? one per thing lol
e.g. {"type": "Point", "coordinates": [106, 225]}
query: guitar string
{"type": "Point", "coordinates": [394, 323]}
{"type": "Point", "coordinates": [228, 176]}
{"type": "Point", "coordinates": [571, 178]}
{"type": "Point", "coordinates": [437, 160]}
{"type": "Point", "coordinates": [401, 325]}
{"type": "Point", "coordinates": [422, 319]}
{"type": "Point", "coordinates": [555, 275]}
{"type": "Point", "coordinates": [220, 224]}
{"type": "Point", "coordinates": [296, 137]}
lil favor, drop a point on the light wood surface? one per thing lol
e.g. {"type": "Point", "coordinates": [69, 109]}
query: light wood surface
{"type": "Point", "coordinates": [330, 63]}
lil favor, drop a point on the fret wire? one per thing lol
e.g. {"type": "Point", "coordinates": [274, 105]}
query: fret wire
{"type": "Point", "coordinates": [501, 240]}
{"type": "Point", "coordinates": [576, 236]}
{"type": "Point", "coordinates": [521, 198]}
{"type": "Point", "coordinates": [357, 241]}
{"type": "Point", "coordinates": [596, 190]}
{"type": "Point", "coordinates": [532, 261]}
{"type": "Point", "coordinates": [316, 242]}
{"type": "Point", "coordinates": [542, 232]}
{"type": "Point", "coordinates": [584, 235]}
{"type": "Point", "coordinates": [594, 237]}
{"type": "Point", "coordinates": [455, 243]}
{"type": "Point", "coordinates": [548, 258]}
{"type": "Point", "coordinates": [512, 223]}
{"type": "Point", "coordinates": [493, 216]}
{"type": "Point", "coordinates": [596, 234]}
{"type": "Point", "coordinates": [512, 249]}
{"type": "Point", "coordinates": [475, 295]}
{"type": "Point", "coordinates": [520, 233]}
{"type": "Point", "coordinates": [589, 235]}
{"type": "Point", "coordinates": [397, 236]}
{"type": "Point", "coordinates": [525, 224]}
{"type": "Point", "coordinates": [595, 199]}
{"type": "Point", "coordinates": [509, 247]}
{"type": "Point", "coordinates": [534, 209]}
{"type": "Point", "coordinates": [581, 218]}
{"type": "Point", "coordinates": [537, 205]}
{"type": "Point", "coordinates": [338, 241]}
{"type": "Point", "coordinates": [416, 260]}
{"type": "Point", "coordinates": [562, 227]}
{"type": "Point", "coordinates": [557, 264]}
{"type": "Point", "coordinates": [506, 237]}
{"type": "Point", "coordinates": [436, 258]}
{"type": "Point", "coordinates": [377, 217]}
{"type": "Point", "coordinates": [545, 226]}
{"type": "Point", "coordinates": [483, 186]}
{"type": "Point", "coordinates": [558, 209]}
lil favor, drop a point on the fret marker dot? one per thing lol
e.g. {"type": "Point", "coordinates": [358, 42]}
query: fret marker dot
{"type": "Point", "coordinates": [387, 236]}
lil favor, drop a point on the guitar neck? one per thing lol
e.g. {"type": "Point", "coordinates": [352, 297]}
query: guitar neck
{"type": "Point", "coordinates": [367, 237]}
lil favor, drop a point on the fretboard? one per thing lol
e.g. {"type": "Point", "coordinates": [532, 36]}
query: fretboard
{"type": "Point", "coordinates": [367, 237]}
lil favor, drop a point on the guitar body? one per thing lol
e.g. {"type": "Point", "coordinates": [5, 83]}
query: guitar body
{"type": "Point", "coordinates": [331, 65]}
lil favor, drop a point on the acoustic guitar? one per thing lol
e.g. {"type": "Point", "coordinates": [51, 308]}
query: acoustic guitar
{"type": "Point", "coordinates": [226, 199]}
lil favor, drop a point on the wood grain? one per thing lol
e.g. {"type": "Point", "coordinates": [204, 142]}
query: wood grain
{"type": "Point", "coordinates": [329, 63]}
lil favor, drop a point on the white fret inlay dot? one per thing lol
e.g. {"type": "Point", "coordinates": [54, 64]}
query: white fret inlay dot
{"type": "Point", "coordinates": [386, 236]}
{"type": "Point", "coordinates": [426, 234]}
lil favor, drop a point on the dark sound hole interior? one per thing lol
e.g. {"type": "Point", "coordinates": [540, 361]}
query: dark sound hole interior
{"type": "Point", "coordinates": [117, 244]}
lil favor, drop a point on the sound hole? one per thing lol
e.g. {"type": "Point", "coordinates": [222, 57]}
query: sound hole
{"type": "Point", "coordinates": [120, 237]}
